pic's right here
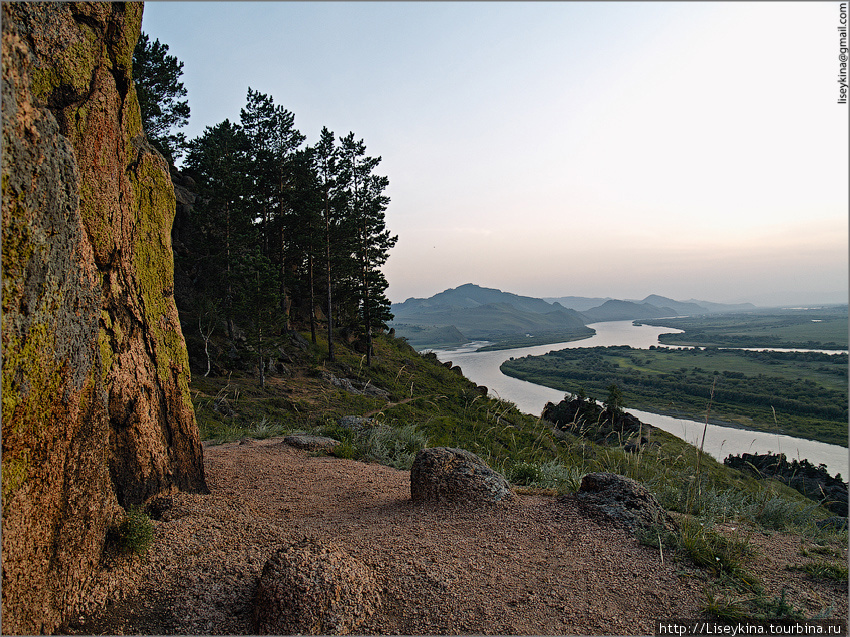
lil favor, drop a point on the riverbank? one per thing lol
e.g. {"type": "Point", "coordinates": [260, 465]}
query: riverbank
{"type": "Point", "coordinates": [531, 341]}
{"type": "Point", "coordinates": [483, 368]}
{"type": "Point", "coordinates": [802, 394]}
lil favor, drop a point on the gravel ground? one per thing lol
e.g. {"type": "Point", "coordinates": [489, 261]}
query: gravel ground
{"type": "Point", "coordinates": [537, 565]}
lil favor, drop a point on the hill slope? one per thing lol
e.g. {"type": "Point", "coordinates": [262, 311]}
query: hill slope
{"type": "Point", "coordinates": [539, 563]}
{"type": "Point", "coordinates": [615, 310]}
{"type": "Point", "coordinates": [483, 314]}
{"type": "Point", "coordinates": [471, 295]}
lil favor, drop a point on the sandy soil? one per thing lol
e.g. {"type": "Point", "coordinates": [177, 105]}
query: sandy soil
{"type": "Point", "coordinates": [539, 565]}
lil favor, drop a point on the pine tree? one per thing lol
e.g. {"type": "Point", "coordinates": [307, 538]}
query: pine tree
{"type": "Point", "coordinates": [159, 89]}
{"type": "Point", "coordinates": [306, 235]}
{"type": "Point", "coordinates": [326, 159]}
{"type": "Point", "coordinates": [273, 140]}
{"type": "Point", "coordinates": [365, 209]}
{"type": "Point", "coordinates": [219, 161]}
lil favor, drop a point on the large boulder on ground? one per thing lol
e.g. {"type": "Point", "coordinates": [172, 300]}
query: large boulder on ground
{"type": "Point", "coordinates": [443, 474]}
{"type": "Point", "coordinates": [625, 501]}
{"type": "Point", "coordinates": [310, 588]}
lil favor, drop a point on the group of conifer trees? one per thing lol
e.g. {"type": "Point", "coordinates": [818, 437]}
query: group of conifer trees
{"type": "Point", "coordinates": [284, 232]}
{"type": "Point", "coordinates": [287, 227]}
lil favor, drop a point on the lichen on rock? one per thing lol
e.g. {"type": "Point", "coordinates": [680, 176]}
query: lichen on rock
{"type": "Point", "coordinates": [96, 410]}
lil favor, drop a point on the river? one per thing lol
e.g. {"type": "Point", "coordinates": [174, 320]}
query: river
{"type": "Point", "coordinates": [483, 369]}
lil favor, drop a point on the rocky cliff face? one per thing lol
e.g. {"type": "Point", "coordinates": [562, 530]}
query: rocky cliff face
{"type": "Point", "coordinates": [95, 403]}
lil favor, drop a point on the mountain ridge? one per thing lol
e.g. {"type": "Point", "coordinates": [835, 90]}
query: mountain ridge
{"type": "Point", "coordinates": [473, 312]}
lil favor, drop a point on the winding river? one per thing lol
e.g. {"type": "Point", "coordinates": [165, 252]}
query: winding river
{"type": "Point", "coordinates": [483, 368]}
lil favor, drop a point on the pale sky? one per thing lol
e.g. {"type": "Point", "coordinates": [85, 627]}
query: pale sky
{"type": "Point", "coordinates": [692, 150]}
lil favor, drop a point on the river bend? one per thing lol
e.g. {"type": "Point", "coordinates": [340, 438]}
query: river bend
{"type": "Point", "coordinates": [483, 369]}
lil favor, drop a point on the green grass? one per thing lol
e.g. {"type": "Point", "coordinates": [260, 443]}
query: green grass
{"type": "Point", "coordinates": [135, 532]}
{"type": "Point", "coordinates": [439, 407]}
{"type": "Point", "coordinates": [825, 570]}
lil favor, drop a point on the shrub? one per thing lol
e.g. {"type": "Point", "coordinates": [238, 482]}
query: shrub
{"type": "Point", "coordinates": [135, 533]}
{"type": "Point", "coordinates": [394, 447]}
{"type": "Point", "coordinates": [346, 450]}
{"type": "Point", "coordinates": [525, 474]}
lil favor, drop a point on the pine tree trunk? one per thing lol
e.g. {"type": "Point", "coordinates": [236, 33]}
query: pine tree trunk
{"type": "Point", "coordinates": [260, 335]}
{"type": "Point", "coordinates": [367, 318]}
{"type": "Point", "coordinates": [228, 309]}
{"type": "Point", "coordinates": [330, 301]}
{"type": "Point", "coordinates": [312, 301]}
{"type": "Point", "coordinates": [284, 299]}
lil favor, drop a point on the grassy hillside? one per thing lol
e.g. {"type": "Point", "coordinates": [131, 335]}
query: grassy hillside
{"type": "Point", "coordinates": [429, 404]}
{"type": "Point", "coordinates": [496, 319]}
{"type": "Point", "coordinates": [485, 314]}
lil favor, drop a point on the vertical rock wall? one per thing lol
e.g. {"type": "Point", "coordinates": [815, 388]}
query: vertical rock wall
{"type": "Point", "coordinates": [95, 401]}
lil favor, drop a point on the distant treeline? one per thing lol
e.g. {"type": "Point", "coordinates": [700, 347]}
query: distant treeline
{"type": "Point", "coordinates": [824, 328]}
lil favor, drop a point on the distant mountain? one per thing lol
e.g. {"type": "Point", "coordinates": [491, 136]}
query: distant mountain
{"type": "Point", "coordinates": [470, 295]}
{"type": "Point", "coordinates": [578, 303]}
{"type": "Point", "coordinates": [471, 312]}
{"type": "Point", "coordinates": [482, 314]}
{"type": "Point", "coordinates": [725, 307]}
{"type": "Point", "coordinates": [495, 320]}
{"type": "Point", "coordinates": [681, 307]}
{"type": "Point", "coordinates": [615, 310]}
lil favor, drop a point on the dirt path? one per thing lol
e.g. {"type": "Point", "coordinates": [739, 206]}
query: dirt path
{"type": "Point", "coordinates": [537, 566]}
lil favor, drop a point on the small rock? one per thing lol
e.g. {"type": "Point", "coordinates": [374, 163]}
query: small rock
{"type": "Point", "coordinates": [314, 589]}
{"type": "Point", "coordinates": [299, 341]}
{"type": "Point", "coordinates": [222, 406]}
{"type": "Point", "coordinates": [310, 442]}
{"type": "Point", "coordinates": [372, 390]}
{"type": "Point", "coordinates": [625, 501]}
{"type": "Point", "coordinates": [455, 475]}
{"type": "Point", "coordinates": [835, 522]}
{"type": "Point", "coordinates": [355, 423]}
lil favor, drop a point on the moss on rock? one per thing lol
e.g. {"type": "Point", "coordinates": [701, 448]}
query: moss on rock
{"type": "Point", "coordinates": [96, 408]}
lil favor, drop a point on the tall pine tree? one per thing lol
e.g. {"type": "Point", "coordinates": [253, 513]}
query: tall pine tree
{"type": "Point", "coordinates": [224, 227]}
{"type": "Point", "coordinates": [366, 204]}
{"type": "Point", "coordinates": [273, 140]}
{"type": "Point", "coordinates": [159, 89]}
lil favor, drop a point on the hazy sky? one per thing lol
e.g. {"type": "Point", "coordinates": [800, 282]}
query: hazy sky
{"type": "Point", "coordinates": [692, 150]}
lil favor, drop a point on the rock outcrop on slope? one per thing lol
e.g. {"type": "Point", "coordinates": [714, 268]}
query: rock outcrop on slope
{"type": "Point", "coordinates": [813, 482]}
{"type": "Point", "coordinates": [96, 408]}
{"type": "Point", "coordinates": [588, 419]}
